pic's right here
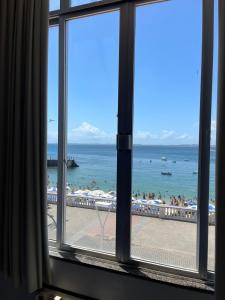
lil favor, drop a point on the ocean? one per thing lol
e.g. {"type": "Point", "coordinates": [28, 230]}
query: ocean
{"type": "Point", "coordinates": [97, 169]}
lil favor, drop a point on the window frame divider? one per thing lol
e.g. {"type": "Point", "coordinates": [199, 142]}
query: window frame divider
{"type": "Point", "coordinates": [100, 5]}
{"type": "Point", "coordinates": [204, 137]}
{"type": "Point", "coordinates": [125, 131]}
{"type": "Point", "coordinates": [64, 4]}
{"type": "Point", "coordinates": [62, 136]}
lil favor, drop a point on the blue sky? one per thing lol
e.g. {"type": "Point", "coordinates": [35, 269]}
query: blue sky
{"type": "Point", "coordinates": [167, 76]}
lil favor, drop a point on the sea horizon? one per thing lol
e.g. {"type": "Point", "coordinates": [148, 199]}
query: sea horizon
{"type": "Point", "coordinates": [98, 163]}
{"type": "Point", "coordinates": [114, 144]}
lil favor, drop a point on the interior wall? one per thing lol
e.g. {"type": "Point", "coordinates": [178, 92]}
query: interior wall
{"type": "Point", "coordinates": [105, 285]}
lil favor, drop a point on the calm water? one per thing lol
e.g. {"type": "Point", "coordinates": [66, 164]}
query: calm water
{"type": "Point", "coordinates": [97, 169]}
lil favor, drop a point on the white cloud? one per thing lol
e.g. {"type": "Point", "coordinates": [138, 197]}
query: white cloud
{"type": "Point", "coordinates": [213, 131]}
{"type": "Point", "coordinates": [86, 129]}
{"type": "Point", "coordinates": [213, 126]}
{"type": "Point", "coordinates": [167, 134]}
{"type": "Point", "coordinates": [183, 136]}
{"type": "Point", "coordinates": [52, 136]}
{"type": "Point", "coordinates": [88, 133]}
{"type": "Point", "coordinates": [144, 135]}
{"type": "Point", "coordinates": [163, 137]}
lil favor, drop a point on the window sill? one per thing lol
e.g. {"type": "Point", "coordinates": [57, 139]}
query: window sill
{"type": "Point", "coordinates": [140, 272]}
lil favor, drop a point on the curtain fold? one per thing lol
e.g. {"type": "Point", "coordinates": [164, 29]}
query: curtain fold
{"type": "Point", "coordinates": [23, 142]}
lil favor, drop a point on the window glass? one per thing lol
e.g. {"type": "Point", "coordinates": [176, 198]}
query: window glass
{"type": "Point", "coordinates": [166, 132]}
{"type": "Point", "coordinates": [92, 59]}
{"type": "Point", "coordinates": [212, 212]}
{"type": "Point", "coordinates": [54, 5]}
{"type": "Point", "coordinates": [81, 2]}
{"type": "Point", "coordinates": [52, 132]}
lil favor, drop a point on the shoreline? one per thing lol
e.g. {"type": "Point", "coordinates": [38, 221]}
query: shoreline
{"type": "Point", "coordinates": [166, 198]}
{"type": "Point", "coordinates": [101, 201]}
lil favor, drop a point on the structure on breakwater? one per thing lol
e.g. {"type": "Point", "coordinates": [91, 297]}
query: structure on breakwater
{"type": "Point", "coordinates": [53, 163]}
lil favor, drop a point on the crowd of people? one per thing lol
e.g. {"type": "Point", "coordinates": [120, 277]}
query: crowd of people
{"type": "Point", "coordinates": [172, 200]}
{"type": "Point", "coordinates": [147, 196]}
{"type": "Point", "coordinates": [178, 201]}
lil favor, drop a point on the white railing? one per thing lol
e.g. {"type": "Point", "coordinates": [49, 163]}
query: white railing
{"type": "Point", "coordinates": [162, 211]}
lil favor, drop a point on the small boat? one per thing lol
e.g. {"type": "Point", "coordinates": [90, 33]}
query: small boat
{"type": "Point", "coordinates": [166, 173]}
{"type": "Point", "coordinates": [164, 158]}
{"type": "Point", "coordinates": [195, 172]}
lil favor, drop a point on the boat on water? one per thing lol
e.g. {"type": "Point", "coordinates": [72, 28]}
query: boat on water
{"type": "Point", "coordinates": [195, 172]}
{"type": "Point", "coordinates": [166, 173]}
{"type": "Point", "coordinates": [164, 158]}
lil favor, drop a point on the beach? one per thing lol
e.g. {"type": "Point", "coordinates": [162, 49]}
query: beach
{"type": "Point", "coordinates": [163, 207]}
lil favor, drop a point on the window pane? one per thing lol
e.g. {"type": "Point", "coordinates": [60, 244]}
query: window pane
{"type": "Point", "coordinates": [81, 2]}
{"type": "Point", "coordinates": [54, 5]}
{"type": "Point", "coordinates": [93, 46]}
{"type": "Point", "coordinates": [166, 129]}
{"type": "Point", "coordinates": [52, 129]}
{"type": "Point", "coordinates": [211, 240]}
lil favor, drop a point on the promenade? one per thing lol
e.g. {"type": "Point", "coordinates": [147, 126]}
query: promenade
{"type": "Point", "coordinates": [169, 242]}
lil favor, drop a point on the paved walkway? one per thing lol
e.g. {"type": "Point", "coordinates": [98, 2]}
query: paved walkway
{"type": "Point", "coordinates": [162, 241]}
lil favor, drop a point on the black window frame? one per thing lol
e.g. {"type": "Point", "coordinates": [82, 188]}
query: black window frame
{"type": "Point", "coordinates": [125, 130]}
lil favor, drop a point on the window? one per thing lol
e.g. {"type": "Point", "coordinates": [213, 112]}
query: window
{"type": "Point", "coordinates": [166, 127]}
{"type": "Point", "coordinates": [54, 5]}
{"type": "Point", "coordinates": [80, 2]}
{"type": "Point", "coordinates": [92, 104]}
{"type": "Point", "coordinates": [211, 239]}
{"type": "Point", "coordinates": [134, 175]}
{"type": "Point", "coordinates": [52, 133]}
